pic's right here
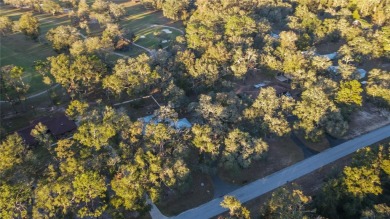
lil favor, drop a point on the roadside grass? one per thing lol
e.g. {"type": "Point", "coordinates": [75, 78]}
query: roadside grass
{"type": "Point", "coordinates": [321, 145]}
{"type": "Point", "coordinates": [282, 153]}
{"type": "Point", "coordinates": [310, 184]}
{"type": "Point", "coordinates": [175, 203]}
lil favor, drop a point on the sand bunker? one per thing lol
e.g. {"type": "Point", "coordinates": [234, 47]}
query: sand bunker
{"type": "Point", "coordinates": [167, 31]}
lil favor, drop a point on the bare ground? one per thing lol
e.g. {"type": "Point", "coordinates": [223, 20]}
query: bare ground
{"type": "Point", "coordinates": [310, 184]}
{"type": "Point", "coordinates": [320, 145]}
{"type": "Point", "coordinates": [201, 191]}
{"type": "Point", "coordinates": [282, 153]}
{"type": "Point", "coordinates": [367, 119]}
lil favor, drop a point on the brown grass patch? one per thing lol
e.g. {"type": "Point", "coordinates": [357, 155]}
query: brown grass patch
{"type": "Point", "coordinates": [282, 153]}
{"type": "Point", "coordinates": [320, 145]}
{"type": "Point", "coordinates": [175, 203]}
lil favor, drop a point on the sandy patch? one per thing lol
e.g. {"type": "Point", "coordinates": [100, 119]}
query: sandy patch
{"type": "Point", "coordinates": [367, 119]}
{"type": "Point", "coordinates": [167, 31]}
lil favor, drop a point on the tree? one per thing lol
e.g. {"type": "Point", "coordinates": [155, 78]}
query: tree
{"type": "Point", "coordinates": [236, 210]}
{"type": "Point", "coordinates": [94, 135]}
{"type": "Point", "coordinates": [316, 114]}
{"type": "Point", "coordinates": [153, 4]}
{"type": "Point", "coordinates": [78, 74]}
{"type": "Point", "coordinates": [378, 86]}
{"type": "Point", "coordinates": [62, 37]}
{"type": "Point", "coordinates": [237, 28]}
{"type": "Point", "coordinates": [362, 181]}
{"type": "Point", "coordinates": [77, 109]}
{"type": "Point", "coordinates": [205, 140]}
{"type": "Point", "coordinates": [12, 81]}
{"type": "Point", "coordinates": [100, 6]}
{"type": "Point", "coordinates": [53, 198]}
{"type": "Point", "coordinates": [83, 10]}
{"type": "Point", "coordinates": [112, 34]}
{"type": "Point", "coordinates": [360, 188]}
{"type": "Point", "coordinates": [271, 110]}
{"type": "Point", "coordinates": [89, 192]}
{"type": "Point", "coordinates": [5, 26]}
{"type": "Point", "coordinates": [39, 132]}
{"type": "Point", "coordinates": [350, 93]}
{"type": "Point", "coordinates": [132, 76]}
{"type": "Point", "coordinates": [136, 179]}
{"type": "Point", "coordinates": [241, 150]}
{"type": "Point", "coordinates": [286, 203]}
{"type": "Point", "coordinates": [15, 200]}
{"type": "Point", "coordinates": [29, 25]}
{"type": "Point", "coordinates": [176, 9]}
{"type": "Point", "coordinates": [116, 11]}
{"type": "Point", "coordinates": [219, 110]}
{"type": "Point", "coordinates": [50, 6]}
{"type": "Point", "coordinates": [175, 95]}
{"type": "Point", "coordinates": [12, 151]}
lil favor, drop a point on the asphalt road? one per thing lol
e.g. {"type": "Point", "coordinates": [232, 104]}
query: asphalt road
{"type": "Point", "coordinates": [275, 180]}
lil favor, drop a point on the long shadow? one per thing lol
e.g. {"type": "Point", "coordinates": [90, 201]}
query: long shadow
{"type": "Point", "coordinates": [221, 187]}
{"type": "Point", "coordinates": [334, 141]}
{"type": "Point", "coordinates": [307, 152]}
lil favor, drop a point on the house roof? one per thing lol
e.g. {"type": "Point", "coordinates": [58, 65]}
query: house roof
{"type": "Point", "coordinates": [26, 136]}
{"type": "Point", "coordinates": [330, 56]}
{"type": "Point", "coordinates": [362, 73]}
{"type": "Point", "coordinates": [279, 89]}
{"type": "Point", "coordinates": [57, 126]}
{"type": "Point", "coordinates": [60, 125]}
{"type": "Point", "coordinates": [281, 78]}
{"type": "Point", "coordinates": [179, 124]}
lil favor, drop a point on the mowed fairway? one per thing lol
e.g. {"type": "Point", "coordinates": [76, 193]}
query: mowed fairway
{"type": "Point", "coordinates": [140, 21]}
{"type": "Point", "coordinates": [19, 50]}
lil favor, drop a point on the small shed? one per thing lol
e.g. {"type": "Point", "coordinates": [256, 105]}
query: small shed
{"type": "Point", "coordinates": [362, 73]}
{"type": "Point", "coordinates": [274, 35]}
{"type": "Point", "coordinates": [333, 69]}
{"type": "Point", "coordinates": [330, 56]}
{"type": "Point", "coordinates": [182, 124]}
{"type": "Point", "coordinates": [280, 90]}
{"type": "Point", "coordinates": [282, 78]}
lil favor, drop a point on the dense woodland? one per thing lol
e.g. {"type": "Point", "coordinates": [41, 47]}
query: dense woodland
{"type": "Point", "coordinates": [115, 163]}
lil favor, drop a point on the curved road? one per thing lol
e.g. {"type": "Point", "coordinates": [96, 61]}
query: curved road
{"type": "Point", "coordinates": [275, 180]}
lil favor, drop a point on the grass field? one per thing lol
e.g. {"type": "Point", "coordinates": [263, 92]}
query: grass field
{"type": "Point", "coordinates": [154, 37]}
{"type": "Point", "coordinates": [19, 50]}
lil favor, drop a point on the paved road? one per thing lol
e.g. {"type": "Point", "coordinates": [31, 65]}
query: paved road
{"type": "Point", "coordinates": [273, 181]}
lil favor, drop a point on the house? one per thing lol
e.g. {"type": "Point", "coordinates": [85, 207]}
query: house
{"type": "Point", "coordinates": [261, 84]}
{"type": "Point", "coordinates": [334, 69]}
{"type": "Point", "coordinates": [362, 73]}
{"type": "Point", "coordinates": [178, 125]}
{"type": "Point", "coordinates": [57, 126]}
{"type": "Point", "coordinates": [284, 77]}
{"type": "Point", "coordinates": [279, 90]}
{"type": "Point", "coordinates": [330, 56]}
{"type": "Point", "coordinates": [274, 35]}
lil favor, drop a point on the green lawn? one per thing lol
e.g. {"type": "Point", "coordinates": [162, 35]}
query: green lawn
{"type": "Point", "coordinates": [19, 50]}
{"type": "Point", "coordinates": [155, 36]}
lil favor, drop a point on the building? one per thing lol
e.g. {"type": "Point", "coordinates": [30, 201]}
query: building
{"type": "Point", "coordinates": [178, 125]}
{"type": "Point", "coordinates": [58, 126]}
